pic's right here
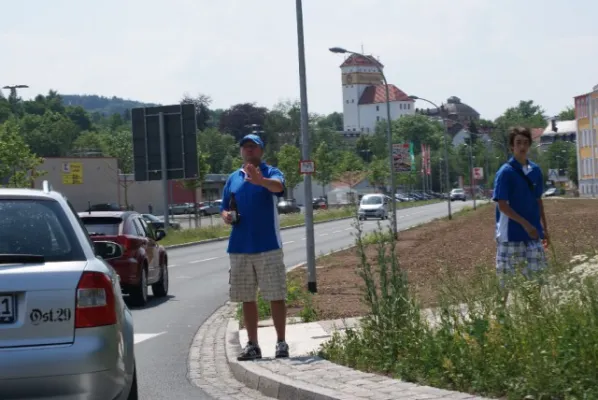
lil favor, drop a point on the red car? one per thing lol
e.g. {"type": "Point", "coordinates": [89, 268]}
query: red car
{"type": "Point", "coordinates": [144, 262]}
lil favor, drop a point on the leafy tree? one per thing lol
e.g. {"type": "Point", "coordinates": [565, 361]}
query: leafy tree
{"type": "Point", "coordinates": [288, 162]}
{"type": "Point", "coordinates": [567, 114]}
{"type": "Point", "coordinates": [50, 135]}
{"type": "Point", "coordinates": [235, 119]}
{"type": "Point", "coordinates": [526, 114]}
{"type": "Point", "coordinates": [417, 129]}
{"type": "Point", "coordinates": [202, 108]}
{"type": "Point", "coordinates": [350, 169]}
{"type": "Point", "coordinates": [378, 172]}
{"type": "Point", "coordinates": [324, 160]}
{"type": "Point", "coordinates": [17, 163]}
{"type": "Point", "coordinates": [220, 148]}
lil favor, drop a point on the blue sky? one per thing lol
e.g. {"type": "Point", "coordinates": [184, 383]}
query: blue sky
{"type": "Point", "coordinates": [491, 54]}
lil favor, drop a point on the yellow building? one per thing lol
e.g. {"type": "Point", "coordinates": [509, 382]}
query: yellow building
{"type": "Point", "coordinates": [586, 114]}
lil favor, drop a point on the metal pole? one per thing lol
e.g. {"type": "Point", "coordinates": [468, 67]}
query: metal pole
{"type": "Point", "coordinates": [393, 185]}
{"type": "Point", "coordinates": [446, 168]}
{"type": "Point", "coordinates": [309, 216]}
{"type": "Point", "coordinates": [471, 177]}
{"type": "Point", "coordinates": [164, 168]}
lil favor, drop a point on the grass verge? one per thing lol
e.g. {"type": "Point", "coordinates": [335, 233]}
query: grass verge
{"type": "Point", "coordinates": [541, 344]}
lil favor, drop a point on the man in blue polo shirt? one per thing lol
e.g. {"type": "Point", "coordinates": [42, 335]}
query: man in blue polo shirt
{"type": "Point", "coordinates": [520, 218]}
{"type": "Point", "coordinates": [255, 245]}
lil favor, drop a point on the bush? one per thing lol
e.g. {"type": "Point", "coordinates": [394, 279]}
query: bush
{"type": "Point", "coordinates": [541, 343]}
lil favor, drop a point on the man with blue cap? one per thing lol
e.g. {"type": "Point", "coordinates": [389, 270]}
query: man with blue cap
{"type": "Point", "coordinates": [255, 245]}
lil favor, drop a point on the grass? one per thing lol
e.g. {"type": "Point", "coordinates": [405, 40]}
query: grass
{"type": "Point", "coordinates": [182, 236]}
{"type": "Point", "coordinates": [541, 344]}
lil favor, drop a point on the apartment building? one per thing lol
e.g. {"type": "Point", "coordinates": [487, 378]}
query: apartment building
{"type": "Point", "coordinates": [586, 115]}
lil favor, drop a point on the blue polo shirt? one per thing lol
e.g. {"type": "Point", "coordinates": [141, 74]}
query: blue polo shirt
{"type": "Point", "coordinates": [509, 185]}
{"type": "Point", "coordinates": [259, 228]}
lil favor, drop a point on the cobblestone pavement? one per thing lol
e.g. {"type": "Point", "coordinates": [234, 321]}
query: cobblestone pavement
{"type": "Point", "coordinates": [214, 368]}
{"type": "Point", "coordinates": [207, 364]}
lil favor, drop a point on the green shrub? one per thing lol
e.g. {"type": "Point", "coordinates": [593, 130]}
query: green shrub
{"type": "Point", "coordinates": [542, 343]}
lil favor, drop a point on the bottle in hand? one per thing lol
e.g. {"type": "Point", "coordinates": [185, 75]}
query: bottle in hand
{"type": "Point", "coordinates": [234, 212]}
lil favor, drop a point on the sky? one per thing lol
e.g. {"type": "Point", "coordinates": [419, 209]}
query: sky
{"type": "Point", "coordinates": [490, 54]}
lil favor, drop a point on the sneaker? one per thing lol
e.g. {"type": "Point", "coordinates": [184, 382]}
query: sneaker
{"type": "Point", "coordinates": [282, 349]}
{"type": "Point", "coordinates": [250, 352]}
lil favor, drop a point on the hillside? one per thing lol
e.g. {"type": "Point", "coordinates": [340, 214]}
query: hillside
{"type": "Point", "coordinates": [103, 105]}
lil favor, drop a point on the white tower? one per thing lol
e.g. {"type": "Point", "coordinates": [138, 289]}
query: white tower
{"type": "Point", "coordinates": [357, 74]}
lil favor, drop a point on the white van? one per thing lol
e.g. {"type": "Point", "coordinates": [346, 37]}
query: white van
{"type": "Point", "coordinates": [374, 206]}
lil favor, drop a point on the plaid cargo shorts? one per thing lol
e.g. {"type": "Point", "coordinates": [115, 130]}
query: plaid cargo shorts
{"type": "Point", "coordinates": [264, 270]}
{"type": "Point", "coordinates": [529, 256]}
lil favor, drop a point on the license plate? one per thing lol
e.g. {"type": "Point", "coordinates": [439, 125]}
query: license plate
{"type": "Point", "coordinates": [8, 309]}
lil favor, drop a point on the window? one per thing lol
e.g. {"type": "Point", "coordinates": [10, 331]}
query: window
{"type": "Point", "coordinates": [377, 108]}
{"type": "Point", "coordinates": [102, 226]}
{"type": "Point", "coordinates": [23, 220]}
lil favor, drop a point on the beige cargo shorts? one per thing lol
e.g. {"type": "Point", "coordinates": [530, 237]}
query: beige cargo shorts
{"type": "Point", "coordinates": [264, 270]}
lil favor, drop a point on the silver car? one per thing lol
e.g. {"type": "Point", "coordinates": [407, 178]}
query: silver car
{"type": "Point", "coordinates": [65, 331]}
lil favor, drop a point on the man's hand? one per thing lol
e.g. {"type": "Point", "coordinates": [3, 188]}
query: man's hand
{"type": "Point", "coordinates": [547, 238]}
{"type": "Point", "coordinates": [253, 175]}
{"type": "Point", "coordinates": [226, 217]}
{"type": "Point", "coordinates": [531, 230]}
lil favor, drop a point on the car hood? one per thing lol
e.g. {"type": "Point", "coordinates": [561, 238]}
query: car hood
{"type": "Point", "coordinates": [371, 207]}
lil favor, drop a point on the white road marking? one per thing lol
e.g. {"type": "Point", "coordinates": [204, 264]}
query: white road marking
{"type": "Point", "coordinates": [323, 234]}
{"type": "Point", "coordinates": [204, 260]}
{"type": "Point", "coordinates": [336, 232]}
{"type": "Point", "coordinates": [304, 239]}
{"type": "Point", "coordinates": [348, 229]}
{"type": "Point", "coordinates": [142, 337]}
{"type": "Point", "coordinates": [290, 241]}
{"type": "Point", "coordinates": [172, 266]}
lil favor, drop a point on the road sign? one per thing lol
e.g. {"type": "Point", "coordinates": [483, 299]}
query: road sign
{"type": "Point", "coordinates": [478, 173]}
{"type": "Point", "coordinates": [180, 142]}
{"type": "Point", "coordinates": [553, 174]}
{"type": "Point", "coordinates": [307, 167]}
{"type": "Point", "coordinates": [401, 159]}
{"type": "Point", "coordinates": [72, 173]}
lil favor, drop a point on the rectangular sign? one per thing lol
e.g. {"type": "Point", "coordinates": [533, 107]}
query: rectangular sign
{"type": "Point", "coordinates": [478, 173]}
{"type": "Point", "coordinates": [180, 129]}
{"type": "Point", "coordinates": [72, 173]}
{"type": "Point", "coordinates": [307, 167]}
{"type": "Point", "coordinates": [401, 159]}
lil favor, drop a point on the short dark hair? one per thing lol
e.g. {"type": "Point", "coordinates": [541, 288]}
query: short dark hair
{"type": "Point", "coordinates": [519, 130]}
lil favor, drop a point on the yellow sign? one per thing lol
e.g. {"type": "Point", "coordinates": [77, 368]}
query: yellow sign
{"type": "Point", "coordinates": [72, 173]}
{"type": "Point", "coordinates": [362, 78]}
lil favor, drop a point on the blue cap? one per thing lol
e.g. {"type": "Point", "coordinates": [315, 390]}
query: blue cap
{"type": "Point", "coordinates": [252, 138]}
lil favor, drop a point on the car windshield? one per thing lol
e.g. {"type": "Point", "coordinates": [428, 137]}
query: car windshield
{"type": "Point", "coordinates": [371, 200]}
{"type": "Point", "coordinates": [101, 226]}
{"type": "Point", "coordinates": [457, 190]}
{"type": "Point", "coordinates": [38, 227]}
{"type": "Point", "coordinates": [151, 218]}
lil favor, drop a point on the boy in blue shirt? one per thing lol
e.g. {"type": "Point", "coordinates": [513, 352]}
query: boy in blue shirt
{"type": "Point", "coordinates": [520, 219]}
{"type": "Point", "coordinates": [255, 245]}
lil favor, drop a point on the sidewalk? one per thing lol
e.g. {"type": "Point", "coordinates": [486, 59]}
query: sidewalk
{"type": "Point", "coordinates": [303, 376]}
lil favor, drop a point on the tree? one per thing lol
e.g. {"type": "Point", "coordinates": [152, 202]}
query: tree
{"type": "Point", "coordinates": [378, 172]}
{"type": "Point", "coordinates": [417, 129]}
{"type": "Point", "coordinates": [235, 119]}
{"type": "Point", "coordinates": [526, 114]}
{"type": "Point", "coordinates": [220, 148]}
{"type": "Point", "coordinates": [324, 160]}
{"type": "Point", "coordinates": [350, 169]}
{"type": "Point", "coordinates": [567, 114]}
{"type": "Point", "coordinates": [202, 108]}
{"type": "Point", "coordinates": [17, 163]}
{"type": "Point", "coordinates": [288, 162]}
{"type": "Point", "coordinates": [120, 145]}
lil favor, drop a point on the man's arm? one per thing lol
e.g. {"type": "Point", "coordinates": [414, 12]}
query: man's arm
{"type": "Point", "coordinates": [225, 201]}
{"type": "Point", "coordinates": [506, 209]}
{"type": "Point", "coordinates": [542, 215]}
{"type": "Point", "coordinates": [274, 182]}
{"type": "Point", "coordinates": [539, 191]}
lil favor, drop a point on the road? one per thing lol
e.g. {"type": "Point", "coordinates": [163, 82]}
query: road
{"type": "Point", "coordinates": [199, 285]}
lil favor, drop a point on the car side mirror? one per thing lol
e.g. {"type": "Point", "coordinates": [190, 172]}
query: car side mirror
{"type": "Point", "coordinates": [160, 234]}
{"type": "Point", "coordinates": [108, 250]}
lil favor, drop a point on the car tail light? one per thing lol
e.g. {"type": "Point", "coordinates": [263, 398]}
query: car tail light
{"type": "Point", "coordinates": [95, 301]}
{"type": "Point", "coordinates": [126, 243]}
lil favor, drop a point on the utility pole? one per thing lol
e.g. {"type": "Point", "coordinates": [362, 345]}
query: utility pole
{"type": "Point", "coordinates": [309, 212]}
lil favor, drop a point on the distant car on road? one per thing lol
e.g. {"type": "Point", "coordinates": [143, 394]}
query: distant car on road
{"type": "Point", "coordinates": [158, 223]}
{"type": "Point", "coordinates": [319, 203]}
{"type": "Point", "coordinates": [458, 194]}
{"type": "Point", "coordinates": [65, 331]}
{"type": "Point", "coordinates": [288, 206]}
{"type": "Point", "coordinates": [144, 262]}
{"type": "Point", "coordinates": [374, 206]}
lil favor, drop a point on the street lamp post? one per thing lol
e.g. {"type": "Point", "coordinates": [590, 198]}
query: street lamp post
{"type": "Point", "coordinates": [446, 157]}
{"type": "Point", "coordinates": [13, 89]}
{"type": "Point", "coordinates": [393, 187]}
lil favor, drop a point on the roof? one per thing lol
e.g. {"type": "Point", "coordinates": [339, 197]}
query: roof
{"type": "Point", "coordinates": [104, 214]}
{"type": "Point", "coordinates": [563, 127]}
{"type": "Point", "coordinates": [23, 192]}
{"type": "Point", "coordinates": [377, 94]}
{"type": "Point", "coordinates": [355, 60]}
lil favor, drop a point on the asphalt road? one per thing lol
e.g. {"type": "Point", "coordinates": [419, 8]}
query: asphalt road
{"type": "Point", "coordinates": [199, 285]}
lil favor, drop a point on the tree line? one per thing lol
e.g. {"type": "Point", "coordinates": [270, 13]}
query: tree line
{"type": "Point", "coordinates": [47, 126]}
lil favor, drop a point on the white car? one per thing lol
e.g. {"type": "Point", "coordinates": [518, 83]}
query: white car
{"type": "Point", "coordinates": [374, 206]}
{"type": "Point", "coordinates": [65, 331]}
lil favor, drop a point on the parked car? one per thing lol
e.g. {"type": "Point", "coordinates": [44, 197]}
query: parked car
{"type": "Point", "coordinates": [374, 206]}
{"type": "Point", "coordinates": [458, 194]}
{"type": "Point", "coordinates": [319, 203]}
{"type": "Point", "coordinates": [158, 223]}
{"type": "Point", "coordinates": [65, 331]}
{"type": "Point", "coordinates": [288, 206]}
{"type": "Point", "coordinates": [208, 208]}
{"type": "Point", "coordinates": [144, 262]}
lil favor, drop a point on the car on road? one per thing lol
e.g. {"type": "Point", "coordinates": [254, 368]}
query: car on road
{"type": "Point", "coordinates": [319, 203]}
{"type": "Point", "coordinates": [374, 206]}
{"type": "Point", "coordinates": [65, 331]}
{"type": "Point", "coordinates": [158, 223]}
{"type": "Point", "coordinates": [458, 194]}
{"type": "Point", "coordinates": [288, 206]}
{"type": "Point", "coordinates": [208, 208]}
{"type": "Point", "coordinates": [143, 262]}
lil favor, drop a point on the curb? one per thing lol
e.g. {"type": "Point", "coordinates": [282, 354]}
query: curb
{"type": "Point", "coordinates": [219, 239]}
